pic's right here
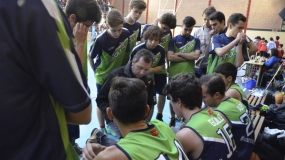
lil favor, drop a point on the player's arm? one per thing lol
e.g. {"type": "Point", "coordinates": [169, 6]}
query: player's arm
{"type": "Point", "coordinates": [219, 50]}
{"type": "Point", "coordinates": [111, 153]}
{"type": "Point", "coordinates": [252, 48]}
{"type": "Point", "coordinates": [155, 69]}
{"type": "Point", "coordinates": [239, 55]}
{"type": "Point", "coordinates": [171, 55]}
{"type": "Point", "coordinates": [191, 142]}
{"type": "Point", "coordinates": [96, 50]}
{"type": "Point", "coordinates": [189, 56]}
{"type": "Point", "coordinates": [233, 93]}
{"type": "Point", "coordinates": [91, 150]}
{"type": "Point", "coordinates": [80, 32]}
{"type": "Point", "coordinates": [192, 55]}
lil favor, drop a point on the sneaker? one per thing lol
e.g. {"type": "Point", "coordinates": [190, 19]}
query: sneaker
{"type": "Point", "coordinates": [93, 137]}
{"type": "Point", "coordinates": [109, 130]}
{"type": "Point", "coordinates": [172, 122]}
{"type": "Point", "coordinates": [78, 149]}
{"type": "Point", "coordinates": [104, 130]}
{"type": "Point", "coordinates": [159, 117]}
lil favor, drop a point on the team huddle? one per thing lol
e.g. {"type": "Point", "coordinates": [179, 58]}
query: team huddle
{"type": "Point", "coordinates": [132, 66]}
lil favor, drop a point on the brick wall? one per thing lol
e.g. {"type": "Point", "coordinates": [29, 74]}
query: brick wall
{"type": "Point", "coordinates": [263, 13]}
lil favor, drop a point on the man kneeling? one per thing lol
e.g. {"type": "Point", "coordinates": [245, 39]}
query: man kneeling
{"type": "Point", "coordinates": [141, 140]}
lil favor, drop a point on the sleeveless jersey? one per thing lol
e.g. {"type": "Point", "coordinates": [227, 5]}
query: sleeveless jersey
{"type": "Point", "coordinates": [242, 94]}
{"type": "Point", "coordinates": [135, 31]}
{"type": "Point", "coordinates": [215, 133]}
{"type": "Point", "coordinates": [184, 45]}
{"type": "Point", "coordinates": [164, 43]}
{"type": "Point", "coordinates": [158, 52]}
{"type": "Point", "coordinates": [109, 52]}
{"type": "Point", "coordinates": [157, 141]}
{"type": "Point", "coordinates": [242, 128]}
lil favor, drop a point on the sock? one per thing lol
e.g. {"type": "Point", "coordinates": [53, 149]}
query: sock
{"type": "Point", "coordinates": [102, 126]}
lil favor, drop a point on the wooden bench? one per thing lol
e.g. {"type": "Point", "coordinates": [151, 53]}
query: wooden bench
{"type": "Point", "coordinates": [257, 120]}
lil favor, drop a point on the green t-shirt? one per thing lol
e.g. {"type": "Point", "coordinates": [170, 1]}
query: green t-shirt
{"type": "Point", "coordinates": [157, 141]}
{"type": "Point", "coordinates": [165, 43]}
{"type": "Point", "coordinates": [243, 95]}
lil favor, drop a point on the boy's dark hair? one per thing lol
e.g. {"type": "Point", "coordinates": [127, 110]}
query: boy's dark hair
{"type": "Point", "coordinates": [152, 32]}
{"type": "Point", "coordinates": [146, 54]}
{"type": "Point", "coordinates": [114, 18]}
{"type": "Point", "coordinates": [262, 38]}
{"type": "Point", "coordinates": [227, 69]}
{"type": "Point", "coordinates": [189, 21]}
{"type": "Point", "coordinates": [128, 99]}
{"type": "Point", "coordinates": [214, 84]}
{"type": "Point", "coordinates": [271, 39]}
{"type": "Point", "coordinates": [274, 52]}
{"type": "Point", "coordinates": [168, 19]}
{"type": "Point", "coordinates": [140, 4]}
{"type": "Point", "coordinates": [84, 10]}
{"type": "Point", "coordinates": [219, 16]}
{"type": "Point", "coordinates": [277, 37]}
{"type": "Point", "coordinates": [209, 10]}
{"type": "Point", "coordinates": [235, 18]}
{"type": "Point", "coordinates": [265, 41]}
{"type": "Point", "coordinates": [187, 88]}
{"type": "Point", "coordinates": [281, 45]}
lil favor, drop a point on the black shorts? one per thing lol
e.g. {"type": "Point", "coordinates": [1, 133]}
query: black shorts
{"type": "Point", "coordinates": [160, 82]}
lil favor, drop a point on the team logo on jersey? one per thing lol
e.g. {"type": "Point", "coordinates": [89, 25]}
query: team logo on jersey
{"type": "Point", "coordinates": [210, 111]}
{"type": "Point", "coordinates": [134, 36]}
{"type": "Point", "coordinates": [154, 132]}
{"type": "Point", "coordinates": [188, 47]}
{"type": "Point", "coordinates": [231, 53]}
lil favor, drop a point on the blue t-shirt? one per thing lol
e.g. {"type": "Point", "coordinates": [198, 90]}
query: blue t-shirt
{"type": "Point", "coordinates": [109, 53]}
{"type": "Point", "coordinates": [158, 52]}
{"type": "Point", "coordinates": [183, 44]}
{"type": "Point", "coordinates": [41, 79]}
{"type": "Point", "coordinates": [244, 45]}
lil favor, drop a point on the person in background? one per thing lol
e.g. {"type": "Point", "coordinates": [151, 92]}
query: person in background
{"type": "Point", "coordinates": [204, 35]}
{"type": "Point", "coordinates": [43, 84]}
{"type": "Point", "coordinates": [153, 36]}
{"type": "Point", "coordinates": [263, 49]}
{"type": "Point", "coordinates": [166, 22]}
{"type": "Point", "coordinates": [277, 41]}
{"type": "Point", "coordinates": [228, 47]}
{"type": "Point", "coordinates": [136, 8]}
{"type": "Point", "coordinates": [273, 59]}
{"type": "Point", "coordinates": [109, 52]}
{"type": "Point", "coordinates": [281, 51]}
{"type": "Point", "coordinates": [271, 44]}
{"type": "Point", "coordinates": [183, 50]}
{"type": "Point", "coordinates": [80, 24]}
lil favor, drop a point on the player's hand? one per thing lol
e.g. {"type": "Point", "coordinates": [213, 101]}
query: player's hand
{"type": "Point", "coordinates": [80, 32]}
{"type": "Point", "coordinates": [155, 22]}
{"type": "Point", "coordinates": [91, 150]}
{"type": "Point", "coordinates": [212, 33]}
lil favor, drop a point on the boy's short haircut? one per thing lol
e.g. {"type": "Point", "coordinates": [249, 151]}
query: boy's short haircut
{"type": "Point", "coordinates": [189, 21]}
{"type": "Point", "coordinates": [209, 10]}
{"type": "Point", "coordinates": [214, 84]}
{"type": "Point", "coordinates": [85, 10]}
{"type": "Point", "coordinates": [227, 69]}
{"type": "Point", "coordinates": [168, 19]}
{"type": "Point", "coordinates": [128, 99]}
{"type": "Point", "coordinates": [114, 18]}
{"type": "Point", "coordinates": [235, 18]}
{"type": "Point", "coordinates": [152, 32]}
{"type": "Point", "coordinates": [219, 16]}
{"type": "Point", "coordinates": [281, 45]}
{"type": "Point", "coordinates": [139, 4]}
{"type": "Point", "coordinates": [277, 37]}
